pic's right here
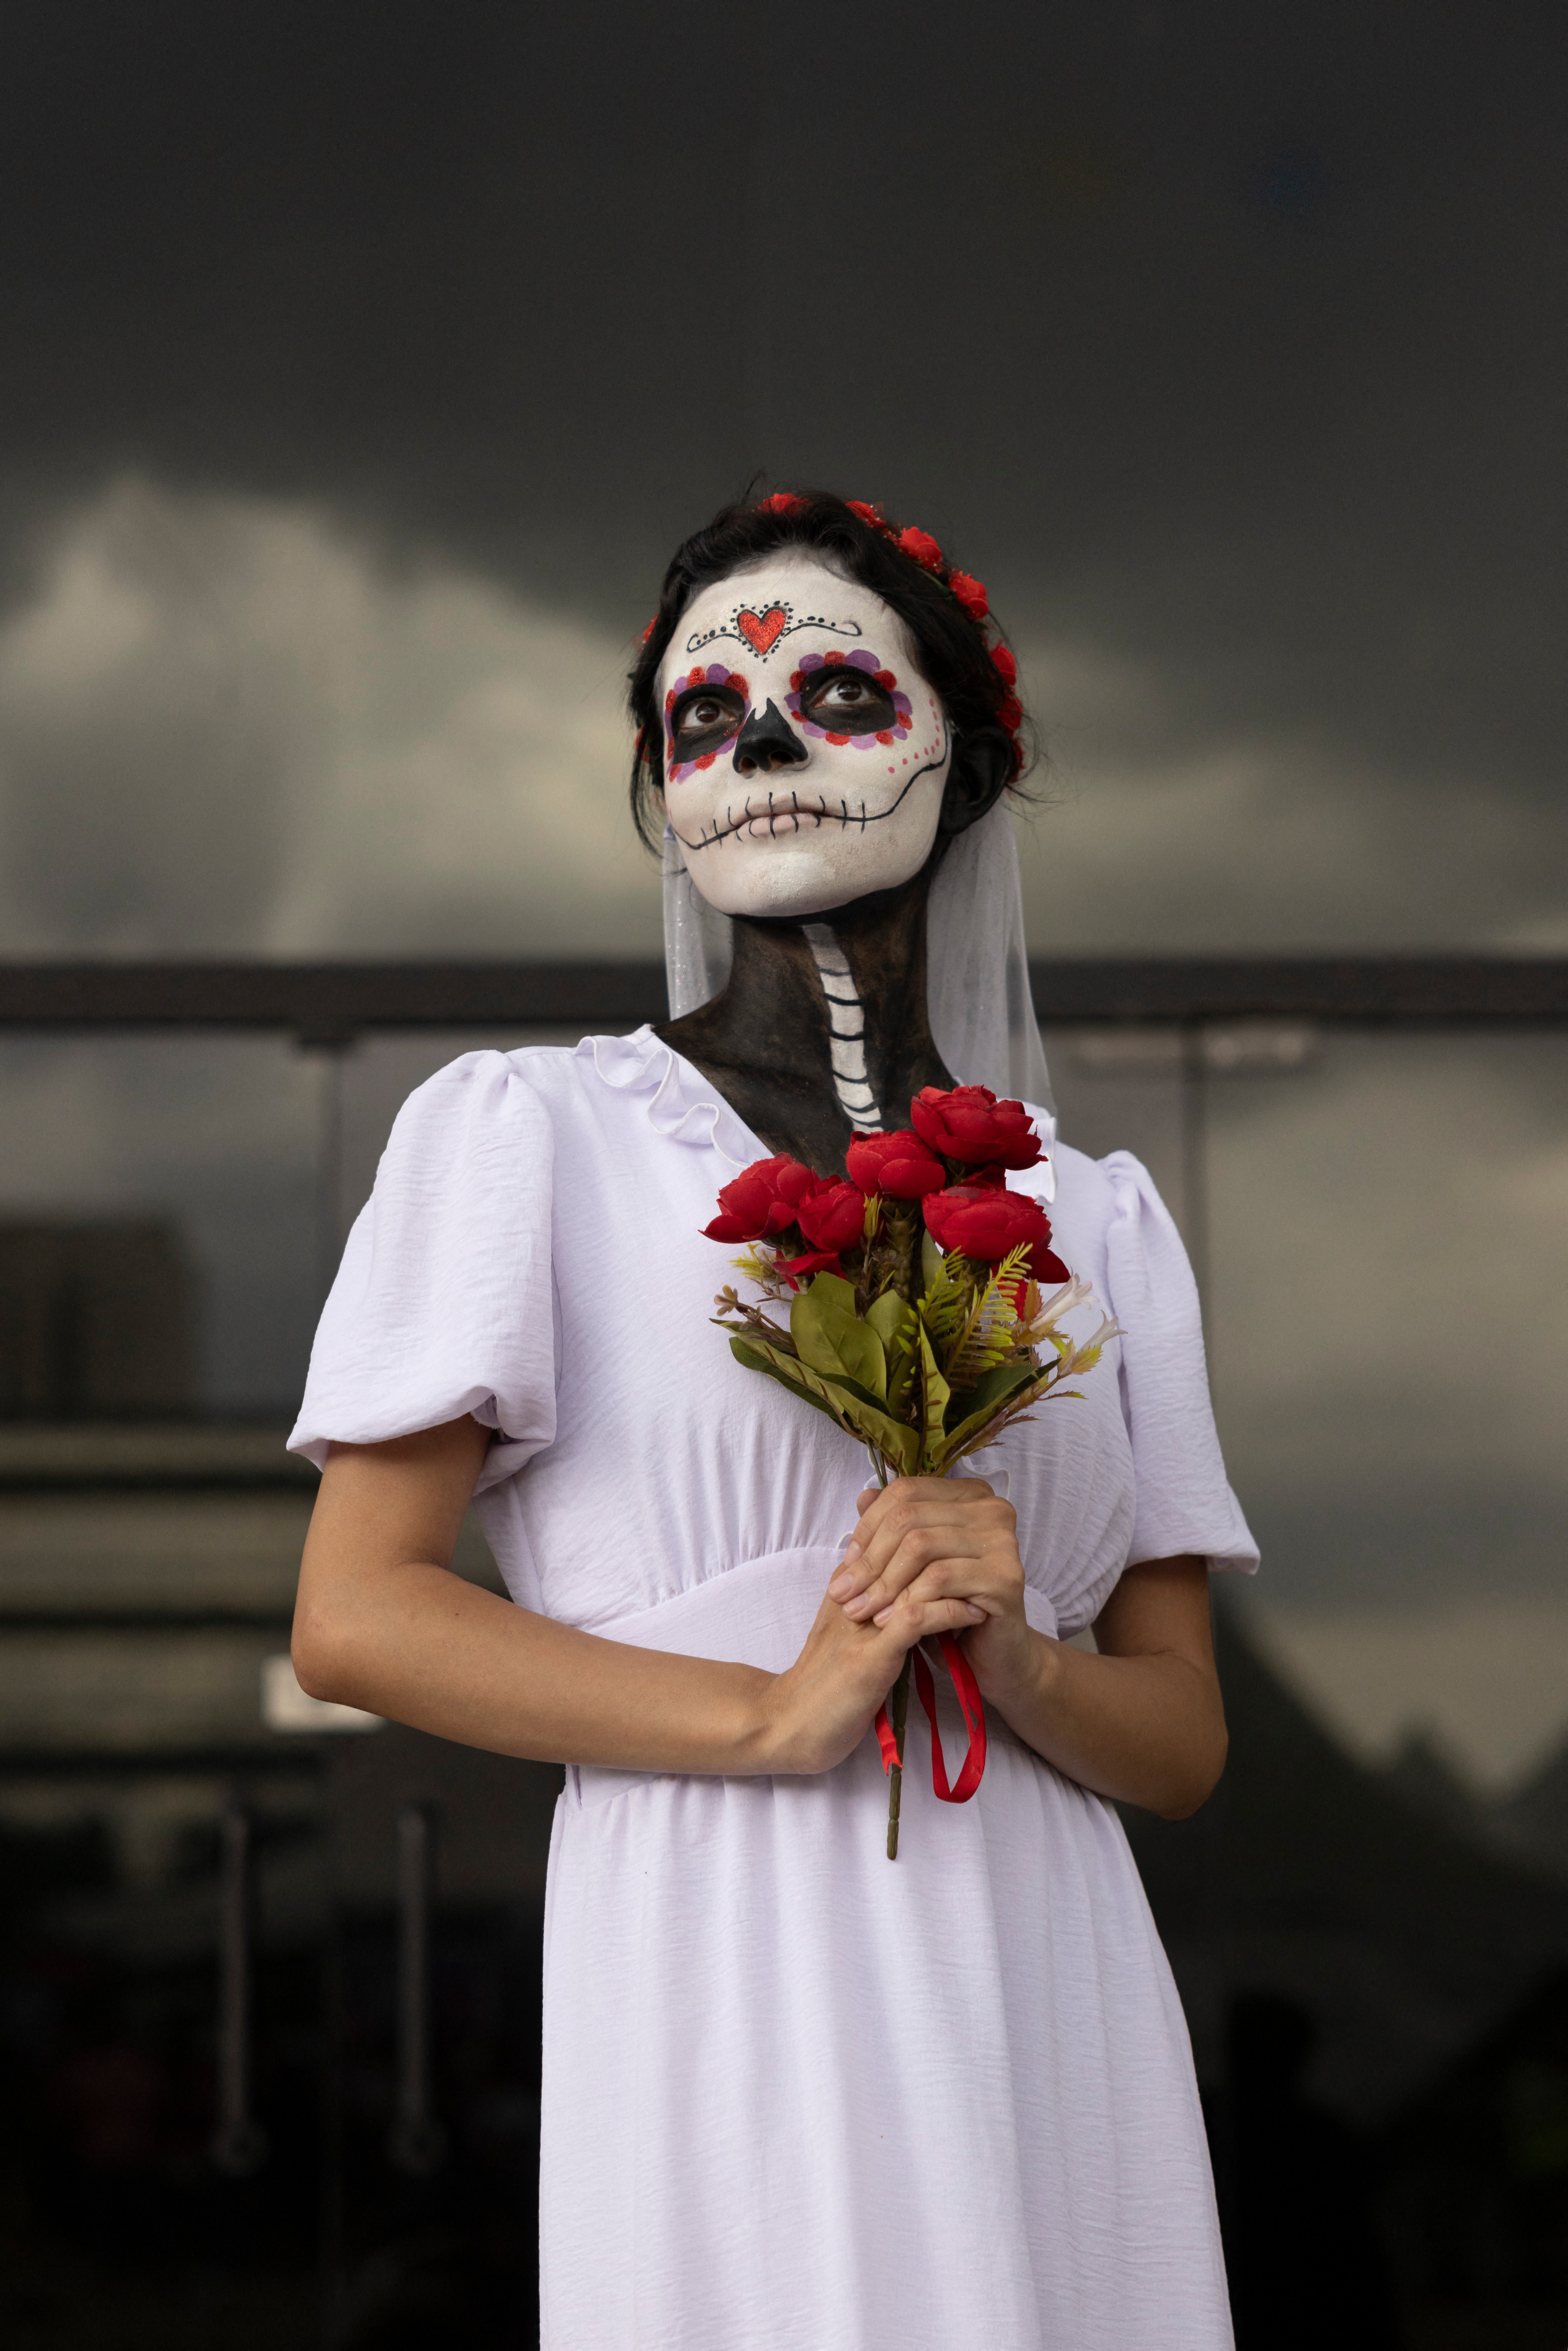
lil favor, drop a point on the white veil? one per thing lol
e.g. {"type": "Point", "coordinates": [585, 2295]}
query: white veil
{"type": "Point", "coordinates": [981, 1009]}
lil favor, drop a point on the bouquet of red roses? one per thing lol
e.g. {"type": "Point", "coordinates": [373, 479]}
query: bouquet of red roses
{"type": "Point", "coordinates": [925, 1303]}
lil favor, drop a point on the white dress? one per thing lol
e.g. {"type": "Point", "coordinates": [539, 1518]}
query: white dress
{"type": "Point", "coordinates": [797, 2097]}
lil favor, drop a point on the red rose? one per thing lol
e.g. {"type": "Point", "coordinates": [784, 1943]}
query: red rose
{"type": "Point", "coordinates": [985, 1224]}
{"type": "Point", "coordinates": [783, 502]}
{"type": "Point", "coordinates": [898, 1165]}
{"type": "Point", "coordinates": [1009, 713]}
{"type": "Point", "coordinates": [833, 1218]}
{"type": "Point", "coordinates": [969, 1124]}
{"type": "Point", "coordinates": [796, 1270]}
{"type": "Point", "coordinates": [868, 515]}
{"type": "Point", "coordinates": [971, 594]}
{"type": "Point", "coordinates": [921, 546]}
{"type": "Point", "coordinates": [1003, 662]}
{"type": "Point", "coordinates": [764, 1198]}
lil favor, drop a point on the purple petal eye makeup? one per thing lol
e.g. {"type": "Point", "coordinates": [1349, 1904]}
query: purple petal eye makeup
{"type": "Point", "coordinates": [848, 698]}
{"type": "Point", "coordinates": [703, 712]}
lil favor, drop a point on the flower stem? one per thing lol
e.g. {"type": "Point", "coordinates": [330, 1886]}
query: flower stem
{"type": "Point", "coordinates": [897, 1713]}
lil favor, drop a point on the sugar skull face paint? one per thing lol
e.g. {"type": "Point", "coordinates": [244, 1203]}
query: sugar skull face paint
{"type": "Point", "coordinates": [815, 775]}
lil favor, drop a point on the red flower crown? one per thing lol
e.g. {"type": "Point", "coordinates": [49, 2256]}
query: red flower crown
{"type": "Point", "coordinates": [921, 548]}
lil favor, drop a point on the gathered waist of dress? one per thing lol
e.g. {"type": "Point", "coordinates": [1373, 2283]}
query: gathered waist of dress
{"type": "Point", "coordinates": [756, 1613]}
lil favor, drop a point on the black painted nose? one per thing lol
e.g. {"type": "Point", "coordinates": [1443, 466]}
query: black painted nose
{"type": "Point", "coordinates": [767, 741]}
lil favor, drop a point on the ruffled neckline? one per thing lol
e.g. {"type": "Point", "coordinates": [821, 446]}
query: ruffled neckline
{"type": "Point", "coordinates": [677, 1099]}
{"type": "Point", "coordinates": [680, 1103]}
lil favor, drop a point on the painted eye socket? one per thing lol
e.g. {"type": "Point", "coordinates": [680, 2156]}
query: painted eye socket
{"type": "Point", "coordinates": [708, 715]}
{"type": "Point", "coordinates": [849, 693]}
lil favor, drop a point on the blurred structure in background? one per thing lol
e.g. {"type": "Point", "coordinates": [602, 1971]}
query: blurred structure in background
{"type": "Point", "coordinates": [98, 1321]}
{"type": "Point", "coordinates": [269, 1978]}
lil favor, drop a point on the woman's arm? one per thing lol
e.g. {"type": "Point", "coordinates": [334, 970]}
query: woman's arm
{"type": "Point", "coordinates": [381, 1623]}
{"type": "Point", "coordinates": [1142, 1721]}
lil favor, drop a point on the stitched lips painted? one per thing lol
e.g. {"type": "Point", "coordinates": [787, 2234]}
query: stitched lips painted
{"type": "Point", "coordinates": [762, 630]}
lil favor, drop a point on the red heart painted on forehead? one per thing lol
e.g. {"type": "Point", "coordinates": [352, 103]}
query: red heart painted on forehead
{"type": "Point", "coordinates": [762, 631]}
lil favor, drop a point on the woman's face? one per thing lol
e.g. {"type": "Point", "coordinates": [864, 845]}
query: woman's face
{"type": "Point", "coordinates": [804, 754]}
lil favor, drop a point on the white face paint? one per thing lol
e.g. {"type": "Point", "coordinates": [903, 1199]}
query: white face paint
{"type": "Point", "coordinates": [833, 792]}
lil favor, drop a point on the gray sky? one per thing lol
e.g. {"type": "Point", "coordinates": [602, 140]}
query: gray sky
{"type": "Point", "coordinates": [365, 365]}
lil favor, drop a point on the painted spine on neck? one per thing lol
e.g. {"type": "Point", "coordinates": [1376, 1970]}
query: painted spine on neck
{"type": "Point", "coordinates": [846, 1024]}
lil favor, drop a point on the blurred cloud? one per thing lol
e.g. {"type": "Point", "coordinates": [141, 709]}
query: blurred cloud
{"type": "Point", "coordinates": [232, 725]}
{"type": "Point", "coordinates": [1176, 821]}
{"type": "Point", "coordinates": [226, 727]}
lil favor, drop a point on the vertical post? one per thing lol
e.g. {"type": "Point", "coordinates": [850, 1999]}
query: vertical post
{"type": "Point", "coordinates": [332, 2187]}
{"type": "Point", "coordinates": [1194, 1164]}
{"type": "Point", "coordinates": [239, 2144]}
{"type": "Point", "coordinates": [418, 2143]}
{"type": "Point", "coordinates": [331, 1052]}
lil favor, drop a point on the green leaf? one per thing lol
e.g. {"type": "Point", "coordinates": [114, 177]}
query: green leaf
{"type": "Point", "coordinates": [987, 1400]}
{"type": "Point", "coordinates": [935, 1397]}
{"type": "Point", "coordinates": [759, 1357]}
{"type": "Point", "coordinates": [988, 1393]}
{"type": "Point", "coordinates": [855, 1414]}
{"type": "Point", "coordinates": [832, 1338]}
{"type": "Point", "coordinates": [892, 1319]}
{"type": "Point", "coordinates": [833, 1293]}
{"type": "Point", "coordinates": [897, 1326]}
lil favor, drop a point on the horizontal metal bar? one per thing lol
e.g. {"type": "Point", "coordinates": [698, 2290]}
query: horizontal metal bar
{"type": "Point", "coordinates": [158, 1477]}
{"type": "Point", "coordinates": [1435, 991]}
{"type": "Point", "coordinates": [300, 1756]}
{"type": "Point", "coordinates": [39, 1456]}
{"type": "Point", "coordinates": [152, 1620]}
{"type": "Point", "coordinates": [331, 1003]}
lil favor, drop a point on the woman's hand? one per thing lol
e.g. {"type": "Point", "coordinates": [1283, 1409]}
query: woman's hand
{"type": "Point", "coordinates": [1140, 1720]}
{"type": "Point", "coordinates": [922, 1541]}
{"type": "Point", "coordinates": [820, 1710]}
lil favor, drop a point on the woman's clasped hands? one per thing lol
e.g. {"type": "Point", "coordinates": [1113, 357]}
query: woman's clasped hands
{"type": "Point", "coordinates": [930, 1555]}
{"type": "Point", "coordinates": [926, 1541]}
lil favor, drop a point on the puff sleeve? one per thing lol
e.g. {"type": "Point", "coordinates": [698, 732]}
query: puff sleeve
{"type": "Point", "coordinates": [1184, 1502]}
{"type": "Point", "coordinates": [443, 1302]}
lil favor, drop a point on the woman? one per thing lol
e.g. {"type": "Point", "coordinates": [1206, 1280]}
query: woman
{"type": "Point", "coordinates": [796, 2099]}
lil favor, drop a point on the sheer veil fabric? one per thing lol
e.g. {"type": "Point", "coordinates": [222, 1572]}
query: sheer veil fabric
{"type": "Point", "coordinates": [981, 1009]}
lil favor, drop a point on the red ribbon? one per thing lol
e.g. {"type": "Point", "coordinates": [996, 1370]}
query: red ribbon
{"type": "Point", "coordinates": [974, 1712]}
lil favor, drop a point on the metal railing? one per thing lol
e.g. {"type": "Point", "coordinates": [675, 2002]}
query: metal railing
{"type": "Point", "coordinates": [331, 1003]}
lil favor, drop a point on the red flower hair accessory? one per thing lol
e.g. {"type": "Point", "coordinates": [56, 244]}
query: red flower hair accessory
{"type": "Point", "coordinates": [969, 593]}
{"type": "Point", "coordinates": [921, 546]}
